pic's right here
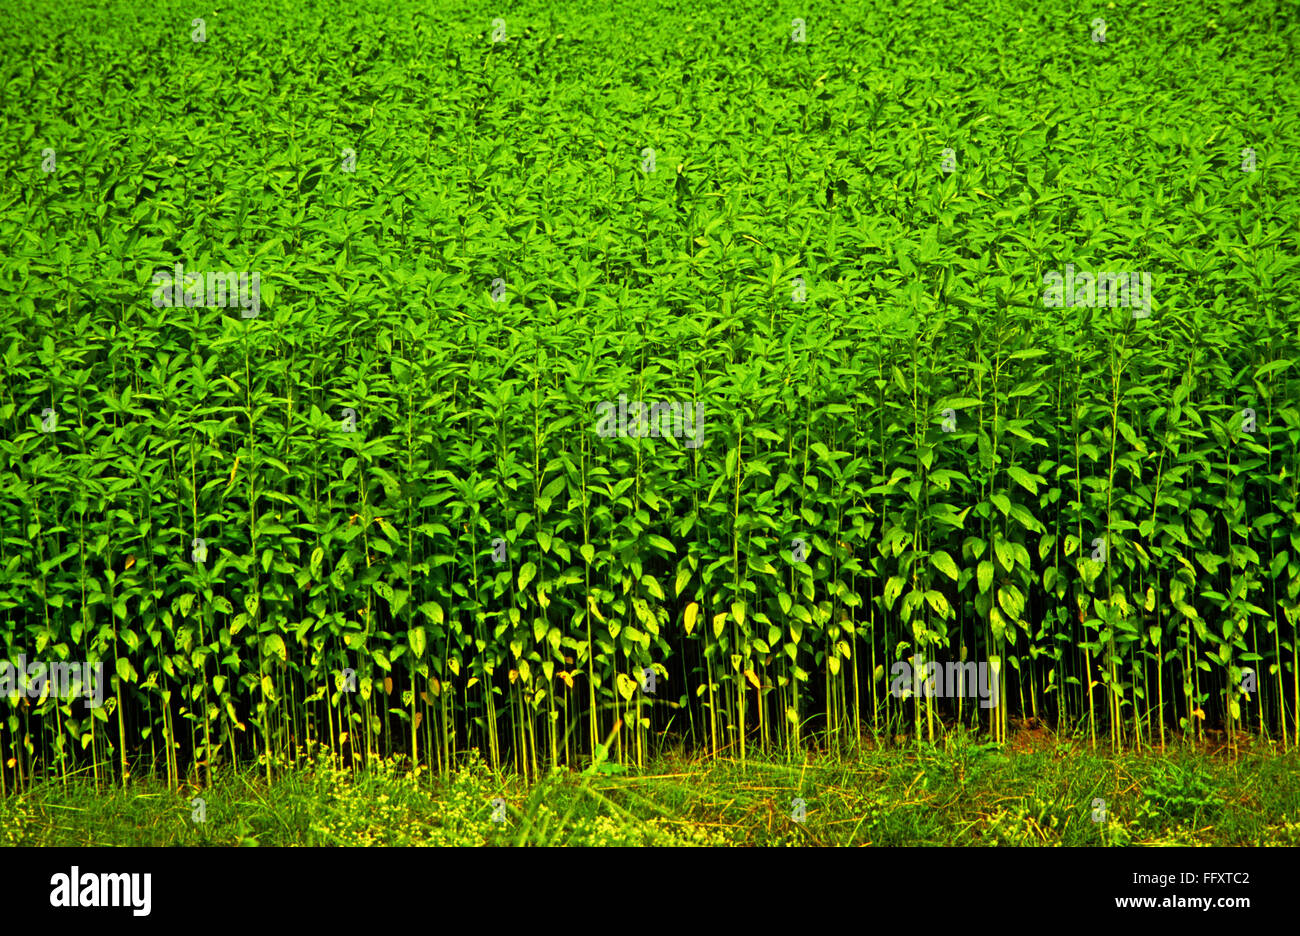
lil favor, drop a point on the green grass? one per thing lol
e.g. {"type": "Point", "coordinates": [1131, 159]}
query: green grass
{"type": "Point", "coordinates": [961, 793]}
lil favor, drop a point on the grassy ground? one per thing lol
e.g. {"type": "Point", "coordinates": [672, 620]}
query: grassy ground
{"type": "Point", "coordinates": [1039, 790]}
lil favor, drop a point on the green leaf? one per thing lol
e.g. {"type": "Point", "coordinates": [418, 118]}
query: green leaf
{"type": "Point", "coordinates": [661, 543]}
{"type": "Point", "coordinates": [944, 563]}
{"type": "Point", "coordinates": [939, 603]}
{"type": "Point", "coordinates": [1012, 601]}
{"type": "Point", "coordinates": [273, 645]}
{"type": "Point", "coordinates": [893, 588]}
{"type": "Point", "coordinates": [1023, 478]}
{"type": "Point", "coordinates": [1006, 556]}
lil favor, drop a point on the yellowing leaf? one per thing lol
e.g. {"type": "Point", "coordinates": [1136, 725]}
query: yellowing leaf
{"type": "Point", "coordinates": [626, 686]}
{"type": "Point", "coordinates": [273, 645]}
{"type": "Point", "coordinates": [692, 611]}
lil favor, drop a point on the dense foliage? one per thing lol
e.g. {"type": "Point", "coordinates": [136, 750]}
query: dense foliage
{"type": "Point", "coordinates": [471, 235]}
